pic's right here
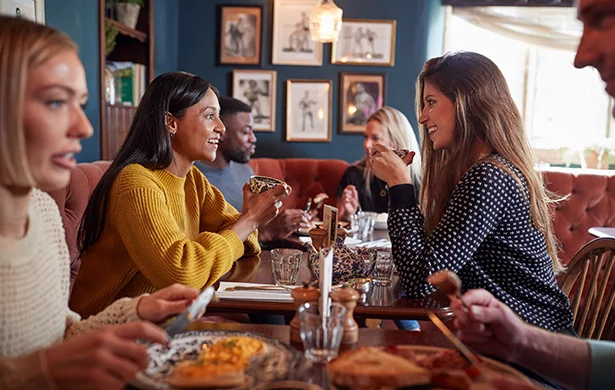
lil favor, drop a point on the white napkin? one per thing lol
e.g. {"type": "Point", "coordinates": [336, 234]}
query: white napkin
{"type": "Point", "coordinates": [253, 295]}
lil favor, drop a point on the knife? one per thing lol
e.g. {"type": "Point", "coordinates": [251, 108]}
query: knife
{"type": "Point", "coordinates": [463, 350]}
{"type": "Point", "coordinates": [194, 312]}
{"type": "Point", "coordinates": [261, 288]}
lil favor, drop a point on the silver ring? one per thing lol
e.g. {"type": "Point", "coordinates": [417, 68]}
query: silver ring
{"type": "Point", "coordinates": [278, 204]}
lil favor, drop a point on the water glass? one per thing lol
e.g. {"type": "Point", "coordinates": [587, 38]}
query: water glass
{"type": "Point", "coordinates": [362, 224]}
{"type": "Point", "coordinates": [285, 264]}
{"type": "Point", "coordinates": [383, 270]}
{"type": "Point", "coordinates": [321, 336]}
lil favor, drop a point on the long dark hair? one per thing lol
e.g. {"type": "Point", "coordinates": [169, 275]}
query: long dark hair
{"type": "Point", "coordinates": [148, 142]}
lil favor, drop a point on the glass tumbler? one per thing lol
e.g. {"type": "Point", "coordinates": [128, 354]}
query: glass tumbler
{"type": "Point", "coordinates": [321, 336]}
{"type": "Point", "coordinates": [285, 264]}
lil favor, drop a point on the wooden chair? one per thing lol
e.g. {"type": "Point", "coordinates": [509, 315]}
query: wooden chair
{"type": "Point", "coordinates": [593, 317]}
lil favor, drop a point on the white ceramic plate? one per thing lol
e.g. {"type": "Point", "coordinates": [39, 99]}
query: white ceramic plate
{"type": "Point", "coordinates": [187, 346]}
{"type": "Point", "coordinates": [381, 221]}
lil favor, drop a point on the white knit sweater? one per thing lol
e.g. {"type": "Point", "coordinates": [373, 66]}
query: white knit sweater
{"type": "Point", "coordinates": [34, 288]}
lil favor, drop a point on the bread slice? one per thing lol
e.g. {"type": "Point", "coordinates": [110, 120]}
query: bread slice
{"type": "Point", "coordinates": [371, 367]}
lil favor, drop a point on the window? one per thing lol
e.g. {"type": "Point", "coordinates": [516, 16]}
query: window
{"type": "Point", "coordinates": [565, 109]}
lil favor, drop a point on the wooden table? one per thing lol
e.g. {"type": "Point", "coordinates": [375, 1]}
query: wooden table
{"type": "Point", "coordinates": [381, 302]}
{"type": "Point", "coordinates": [317, 374]}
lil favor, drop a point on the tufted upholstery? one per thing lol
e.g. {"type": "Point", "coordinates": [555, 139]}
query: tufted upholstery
{"type": "Point", "coordinates": [72, 202]}
{"type": "Point", "coordinates": [591, 202]}
{"type": "Point", "coordinates": [307, 177]}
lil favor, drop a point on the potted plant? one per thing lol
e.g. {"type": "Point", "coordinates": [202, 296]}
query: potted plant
{"type": "Point", "coordinates": [127, 11]}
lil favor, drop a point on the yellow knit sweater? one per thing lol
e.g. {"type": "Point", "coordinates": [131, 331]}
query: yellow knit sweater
{"type": "Point", "coordinates": [160, 229]}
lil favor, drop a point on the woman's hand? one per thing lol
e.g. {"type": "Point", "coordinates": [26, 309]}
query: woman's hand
{"type": "Point", "coordinates": [259, 209]}
{"type": "Point", "coordinates": [349, 202]}
{"type": "Point", "coordinates": [389, 167]}
{"type": "Point", "coordinates": [167, 302]}
{"type": "Point", "coordinates": [104, 359]}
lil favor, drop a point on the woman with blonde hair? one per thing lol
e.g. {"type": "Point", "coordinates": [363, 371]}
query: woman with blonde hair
{"type": "Point", "coordinates": [42, 91]}
{"type": "Point", "coordinates": [483, 211]}
{"type": "Point", "coordinates": [359, 188]}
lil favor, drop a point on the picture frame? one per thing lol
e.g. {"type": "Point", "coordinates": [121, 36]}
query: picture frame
{"type": "Point", "coordinates": [361, 95]}
{"type": "Point", "coordinates": [291, 40]}
{"type": "Point", "coordinates": [365, 42]}
{"type": "Point", "coordinates": [33, 10]}
{"type": "Point", "coordinates": [257, 89]}
{"type": "Point", "coordinates": [308, 110]}
{"type": "Point", "coordinates": [240, 35]}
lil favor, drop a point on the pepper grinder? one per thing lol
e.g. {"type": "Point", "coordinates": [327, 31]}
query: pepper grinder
{"type": "Point", "coordinates": [348, 298]}
{"type": "Point", "coordinates": [300, 296]}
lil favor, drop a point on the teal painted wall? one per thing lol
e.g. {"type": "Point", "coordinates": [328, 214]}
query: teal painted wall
{"type": "Point", "coordinates": [185, 39]}
{"type": "Point", "coordinates": [79, 19]}
{"type": "Point", "coordinates": [419, 36]}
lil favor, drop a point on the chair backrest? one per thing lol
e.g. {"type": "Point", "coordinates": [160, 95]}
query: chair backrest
{"type": "Point", "coordinates": [587, 279]}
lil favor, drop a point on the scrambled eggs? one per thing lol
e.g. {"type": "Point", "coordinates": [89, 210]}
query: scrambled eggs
{"type": "Point", "coordinates": [231, 354]}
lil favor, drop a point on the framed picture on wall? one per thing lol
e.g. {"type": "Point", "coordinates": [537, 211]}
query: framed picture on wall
{"type": "Point", "coordinates": [292, 43]}
{"type": "Point", "coordinates": [308, 110]}
{"type": "Point", "coordinates": [240, 35]}
{"type": "Point", "coordinates": [361, 95]}
{"type": "Point", "coordinates": [365, 42]}
{"type": "Point", "coordinates": [30, 9]}
{"type": "Point", "coordinates": [257, 89]}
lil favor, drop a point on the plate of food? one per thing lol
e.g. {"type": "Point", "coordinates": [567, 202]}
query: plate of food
{"type": "Point", "coordinates": [413, 367]}
{"type": "Point", "coordinates": [210, 359]}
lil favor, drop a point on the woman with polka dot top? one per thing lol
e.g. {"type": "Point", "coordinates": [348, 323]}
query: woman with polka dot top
{"type": "Point", "coordinates": [484, 210]}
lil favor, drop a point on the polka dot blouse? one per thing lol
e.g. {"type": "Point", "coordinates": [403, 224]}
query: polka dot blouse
{"type": "Point", "coordinates": [486, 236]}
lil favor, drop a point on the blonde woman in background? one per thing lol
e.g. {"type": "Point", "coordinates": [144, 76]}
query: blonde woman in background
{"type": "Point", "coordinates": [42, 91]}
{"type": "Point", "coordinates": [358, 186]}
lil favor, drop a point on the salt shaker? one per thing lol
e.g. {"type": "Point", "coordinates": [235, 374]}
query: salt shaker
{"type": "Point", "coordinates": [348, 298]}
{"type": "Point", "coordinates": [300, 296]}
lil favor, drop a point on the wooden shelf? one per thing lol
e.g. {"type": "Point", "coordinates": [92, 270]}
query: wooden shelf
{"type": "Point", "coordinates": [131, 45]}
{"type": "Point", "coordinates": [125, 30]}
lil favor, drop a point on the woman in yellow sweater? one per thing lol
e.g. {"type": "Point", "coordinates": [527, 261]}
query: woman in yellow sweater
{"type": "Point", "coordinates": [154, 219]}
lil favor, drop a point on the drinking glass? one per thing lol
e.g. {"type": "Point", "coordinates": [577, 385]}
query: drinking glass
{"type": "Point", "coordinates": [383, 270]}
{"type": "Point", "coordinates": [362, 224]}
{"type": "Point", "coordinates": [321, 336]}
{"type": "Point", "coordinates": [285, 264]}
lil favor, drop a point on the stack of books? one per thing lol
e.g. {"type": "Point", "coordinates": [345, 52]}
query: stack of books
{"type": "Point", "coordinates": [125, 83]}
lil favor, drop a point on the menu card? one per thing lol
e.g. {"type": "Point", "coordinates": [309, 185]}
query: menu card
{"type": "Point", "coordinates": [326, 275]}
{"type": "Point", "coordinates": [330, 225]}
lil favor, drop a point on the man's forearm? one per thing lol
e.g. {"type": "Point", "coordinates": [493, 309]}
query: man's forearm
{"type": "Point", "coordinates": [563, 359]}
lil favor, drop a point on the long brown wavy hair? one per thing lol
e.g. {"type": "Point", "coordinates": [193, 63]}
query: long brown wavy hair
{"type": "Point", "coordinates": [485, 112]}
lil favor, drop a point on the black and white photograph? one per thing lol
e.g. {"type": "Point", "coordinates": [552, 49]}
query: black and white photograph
{"type": "Point", "coordinates": [365, 42]}
{"type": "Point", "coordinates": [361, 95]}
{"type": "Point", "coordinates": [28, 9]}
{"type": "Point", "coordinates": [292, 42]}
{"type": "Point", "coordinates": [240, 35]}
{"type": "Point", "coordinates": [308, 113]}
{"type": "Point", "coordinates": [257, 89]}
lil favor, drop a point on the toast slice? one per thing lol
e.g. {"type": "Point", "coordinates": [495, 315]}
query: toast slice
{"type": "Point", "coordinates": [371, 367]}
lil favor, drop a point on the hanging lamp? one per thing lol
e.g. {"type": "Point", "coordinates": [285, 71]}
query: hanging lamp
{"type": "Point", "coordinates": [325, 21]}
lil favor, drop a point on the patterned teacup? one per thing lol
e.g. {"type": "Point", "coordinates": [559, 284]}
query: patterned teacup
{"type": "Point", "coordinates": [260, 184]}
